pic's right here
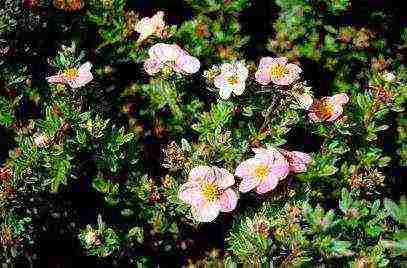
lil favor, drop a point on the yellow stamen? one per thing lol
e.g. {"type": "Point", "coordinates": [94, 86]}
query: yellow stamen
{"type": "Point", "coordinates": [71, 73]}
{"type": "Point", "coordinates": [324, 109]}
{"type": "Point", "coordinates": [233, 80]}
{"type": "Point", "coordinates": [278, 71]}
{"type": "Point", "coordinates": [211, 191]}
{"type": "Point", "coordinates": [261, 172]}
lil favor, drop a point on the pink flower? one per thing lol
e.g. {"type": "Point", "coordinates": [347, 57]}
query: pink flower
{"type": "Point", "coordinates": [263, 171]}
{"type": "Point", "coordinates": [149, 26]}
{"type": "Point", "coordinates": [328, 108]}
{"type": "Point", "coordinates": [232, 78]}
{"type": "Point", "coordinates": [74, 77]}
{"type": "Point", "coordinates": [277, 70]}
{"type": "Point", "coordinates": [161, 55]}
{"type": "Point", "coordinates": [268, 167]}
{"type": "Point", "coordinates": [208, 192]}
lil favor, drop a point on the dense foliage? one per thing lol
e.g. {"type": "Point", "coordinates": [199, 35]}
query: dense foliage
{"type": "Point", "coordinates": [202, 146]}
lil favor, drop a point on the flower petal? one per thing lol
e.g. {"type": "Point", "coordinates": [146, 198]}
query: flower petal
{"type": "Point", "coordinates": [305, 100]}
{"type": "Point", "coordinates": [55, 79]}
{"type": "Point", "coordinates": [145, 27]}
{"type": "Point", "coordinates": [83, 79]}
{"type": "Point", "coordinates": [268, 184]}
{"type": "Point", "coordinates": [314, 117]}
{"type": "Point", "coordinates": [262, 76]}
{"type": "Point", "coordinates": [207, 212]}
{"type": "Point", "coordinates": [337, 112]}
{"type": "Point", "coordinates": [271, 157]}
{"type": "Point", "coordinates": [266, 62]}
{"type": "Point", "coordinates": [201, 174]}
{"type": "Point", "coordinates": [152, 66]}
{"type": "Point", "coordinates": [239, 88]}
{"type": "Point", "coordinates": [158, 21]}
{"type": "Point", "coordinates": [285, 80]}
{"type": "Point", "coordinates": [227, 69]}
{"type": "Point", "coordinates": [85, 68]}
{"type": "Point", "coordinates": [224, 178]}
{"type": "Point", "coordinates": [294, 69]}
{"type": "Point", "coordinates": [280, 60]}
{"type": "Point", "coordinates": [245, 168]}
{"type": "Point", "coordinates": [225, 93]}
{"type": "Point", "coordinates": [191, 194]}
{"type": "Point", "coordinates": [247, 184]}
{"type": "Point", "coordinates": [188, 64]}
{"type": "Point", "coordinates": [228, 200]}
{"type": "Point", "coordinates": [280, 170]}
{"type": "Point", "coordinates": [241, 70]}
{"type": "Point", "coordinates": [340, 99]}
{"type": "Point", "coordinates": [165, 52]}
{"type": "Point", "coordinates": [221, 82]}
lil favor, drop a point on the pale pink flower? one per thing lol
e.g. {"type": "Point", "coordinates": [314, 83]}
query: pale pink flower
{"type": "Point", "coordinates": [328, 108]}
{"type": "Point", "coordinates": [268, 167]}
{"type": "Point", "coordinates": [171, 55]}
{"type": "Point", "coordinates": [263, 171]}
{"type": "Point", "coordinates": [74, 77]}
{"type": "Point", "coordinates": [277, 70]}
{"type": "Point", "coordinates": [232, 78]}
{"type": "Point", "coordinates": [208, 192]}
{"type": "Point", "coordinates": [151, 26]}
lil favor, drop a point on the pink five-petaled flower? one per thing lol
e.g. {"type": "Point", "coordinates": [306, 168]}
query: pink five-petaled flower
{"type": "Point", "coordinates": [328, 108]}
{"type": "Point", "coordinates": [263, 171]}
{"type": "Point", "coordinates": [208, 192]}
{"type": "Point", "coordinates": [268, 167]}
{"type": "Point", "coordinates": [232, 78]}
{"type": "Point", "coordinates": [149, 26]}
{"type": "Point", "coordinates": [171, 55]}
{"type": "Point", "coordinates": [277, 70]}
{"type": "Point", "coordinates": [74, 77]}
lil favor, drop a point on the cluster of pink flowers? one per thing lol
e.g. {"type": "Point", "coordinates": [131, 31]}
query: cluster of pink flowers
{"type": "Point", "coordinates": [170, 55]}
{"type": "Point", "coordinates": [209, 191]}
{"type": "Point", "coordinates": [74, 77]}
{"type": "Point", "coordinates": [233, 76]}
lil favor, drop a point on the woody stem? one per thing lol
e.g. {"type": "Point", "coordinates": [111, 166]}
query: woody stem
{"type": "Point", "coordinates": [270, 110]}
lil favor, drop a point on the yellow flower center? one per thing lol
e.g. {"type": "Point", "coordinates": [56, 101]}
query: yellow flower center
{"type": "Point", "coordinates": [71, 73]}
{"type": "Point", "coordinates": [324, 109]}
{"type": "Point", "coordinates": [278, 71]}
{"type": "Point", "coordinates": [261, 172]}
{"type": "Point", "coordinates": [233, 80]}
{"type": "Point", "coordinates": [211, 191]}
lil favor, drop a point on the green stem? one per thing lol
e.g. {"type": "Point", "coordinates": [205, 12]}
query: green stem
{"type": "Point", "coordinates": [170, 92]}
